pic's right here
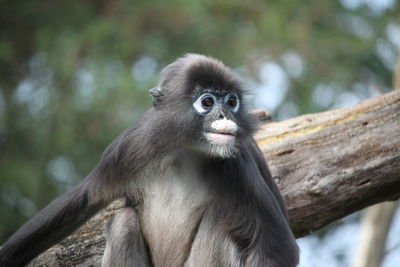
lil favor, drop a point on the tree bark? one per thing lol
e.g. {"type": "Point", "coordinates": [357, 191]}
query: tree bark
{"type": "Point", "coordinates": [327, 165]}
{"type": "Point", "coordinates": [376, 221]}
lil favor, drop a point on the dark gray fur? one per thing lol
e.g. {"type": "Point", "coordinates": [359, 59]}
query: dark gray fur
{"type": "Point", "coordinates": [187, 207]}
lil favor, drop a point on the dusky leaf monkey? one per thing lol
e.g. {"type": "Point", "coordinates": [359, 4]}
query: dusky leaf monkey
{"type": "Point", "coordinates": [197, 188]}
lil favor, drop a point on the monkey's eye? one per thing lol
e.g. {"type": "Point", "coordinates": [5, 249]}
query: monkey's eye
{"type": "Point", "coordinates": [207, 102]}
{"type": "Point", "coordinates": [204, 103]}
{"type": "Point", "coordinates": [232, 101]}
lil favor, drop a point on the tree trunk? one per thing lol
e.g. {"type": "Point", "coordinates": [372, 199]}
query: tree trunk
{"type": "Point", "coordinates": [327, 165]}
{"type": "Point", "coordinates": [374, 229]}
{"type": "Point", "coordinates": [396, 75]}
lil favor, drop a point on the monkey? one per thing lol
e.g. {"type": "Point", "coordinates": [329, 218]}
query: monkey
{"type": "Point", "coordinates": [198, 190]}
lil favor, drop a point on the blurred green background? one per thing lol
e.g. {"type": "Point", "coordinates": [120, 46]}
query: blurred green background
{"type": "Point", "coordinates": [73, 74]}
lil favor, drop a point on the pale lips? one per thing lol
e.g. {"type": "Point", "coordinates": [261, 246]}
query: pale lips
{"type": "Point", "coordinates": [220, 138]}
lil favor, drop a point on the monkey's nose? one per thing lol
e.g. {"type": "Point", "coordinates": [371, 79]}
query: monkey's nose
{"type": "Point", "coordinates": [222, 115]}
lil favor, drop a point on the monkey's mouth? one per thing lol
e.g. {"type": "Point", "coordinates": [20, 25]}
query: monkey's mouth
{"type": "Point", "coordinates": [220, 138]}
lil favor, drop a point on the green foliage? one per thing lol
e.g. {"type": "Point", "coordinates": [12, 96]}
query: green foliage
{"type": "Point", "coordinates": [73, 74]}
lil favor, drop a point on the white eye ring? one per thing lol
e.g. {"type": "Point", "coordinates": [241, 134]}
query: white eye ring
{"type": "Point", "coordinates": [233, 108]}
{"type": "Point", "coordinates": [198, 105]}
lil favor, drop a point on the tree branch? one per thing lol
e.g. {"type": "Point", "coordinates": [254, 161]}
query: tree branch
{"type": "Point", "coordinates": [327, 166]}
{"type": "Point", "coordinates": [331, 164]}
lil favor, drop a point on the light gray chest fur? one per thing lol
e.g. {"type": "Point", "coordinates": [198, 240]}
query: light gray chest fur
{"type": "Point", "coordinates": [173, 203]}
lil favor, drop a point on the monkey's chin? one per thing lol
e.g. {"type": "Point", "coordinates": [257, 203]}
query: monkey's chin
{"type": "Point", "coordinates": [221, 145]}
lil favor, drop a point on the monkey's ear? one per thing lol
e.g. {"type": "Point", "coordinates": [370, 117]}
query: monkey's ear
{"type": "Point", "coordinates": [157, 94]}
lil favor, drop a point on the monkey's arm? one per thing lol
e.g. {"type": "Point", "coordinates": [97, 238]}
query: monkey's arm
{"type": "Point", "coordinates": [62, 216]}
{"type": "Point", "coordinates": [69, 211]}
{"type": "Point", "coordinates": [266, 174]}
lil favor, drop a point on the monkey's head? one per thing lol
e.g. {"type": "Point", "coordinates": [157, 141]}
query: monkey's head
{"type": "Point", "coordinates": [203, 99]}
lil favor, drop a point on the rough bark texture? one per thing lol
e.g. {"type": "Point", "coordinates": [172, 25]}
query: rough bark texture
{"type": "Point", "coordinates": [327, 166]}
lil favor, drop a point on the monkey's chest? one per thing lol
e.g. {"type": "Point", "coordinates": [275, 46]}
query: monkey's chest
{"type": "Point", "coordinates": [172, 208]}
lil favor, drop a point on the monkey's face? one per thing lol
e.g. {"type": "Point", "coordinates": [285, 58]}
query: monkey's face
{"type": "Point", "coordinates": [218, 110]}
{"type": "Point", "coordinates": [199, 101]}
